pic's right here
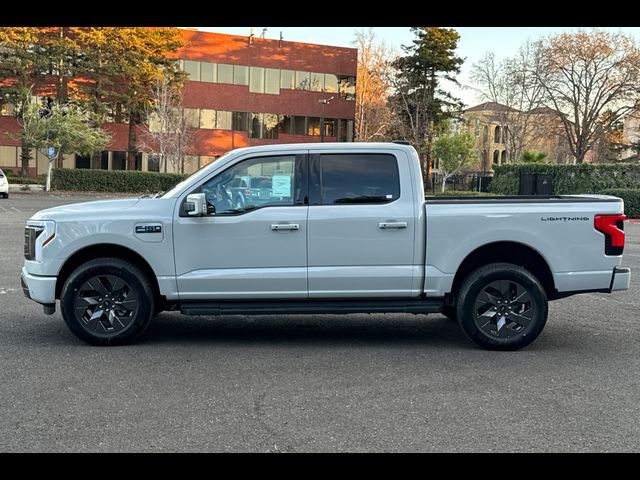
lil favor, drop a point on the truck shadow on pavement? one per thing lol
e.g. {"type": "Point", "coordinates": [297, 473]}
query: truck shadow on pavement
{"type": "Point", "coordinates": [316, 329]}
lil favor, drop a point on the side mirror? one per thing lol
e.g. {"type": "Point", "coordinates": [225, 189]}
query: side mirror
{"type": "Point", "coordinates": [196, 205]}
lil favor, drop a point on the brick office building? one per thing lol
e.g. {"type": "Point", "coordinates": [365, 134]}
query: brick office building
{"type": "Point", "coordinates": [242, 91]}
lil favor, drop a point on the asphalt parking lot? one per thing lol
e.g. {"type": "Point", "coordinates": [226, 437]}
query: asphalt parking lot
{"type": "Point", "coordinates": [316, 383]}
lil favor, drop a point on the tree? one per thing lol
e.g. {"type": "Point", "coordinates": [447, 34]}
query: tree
{"type": "Point", "coordinates": [126, 64]}
{"type": "Point", "coordinates": [419, 103]}
{"type": "Point", "coordinates": [512, 83]}
{"type": "Point", "coordinates": [373, 116]}
{"type": "Point", "coordinates": [455, 152]}
{"type": "Point", "coordinates": [531, 156]}
{"type": "Point", "coordinates": [169, 133]}
{"type": "Point", "coordinates": [584, 74]}
{"type": "Point", "coordinates": [60, 130]}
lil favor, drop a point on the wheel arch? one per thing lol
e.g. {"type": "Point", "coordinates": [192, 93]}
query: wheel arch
{"type": "Point", "coordinates": [105, 250]}
{"type": "Point", "coordinates": [507, 252]}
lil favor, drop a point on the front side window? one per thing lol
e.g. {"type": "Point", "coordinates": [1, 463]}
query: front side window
{"type": "Point", "coordinates": [223, 120]}
{"type": "Point", "coordinates": [359, 178]}
{"type": "Point", "coordinates": [347, 87]}
{"type": "Point", "coordinates": [272, 81]}
{"type": "Point", "coordinates": [317, 82]}
{"type": "Point", "coordinates": [303, 80]}
{"type": "Point", "coordinates": [240, 121]}
{"type": "Point", "coordinates": [208, 72]}
{"type": "Point", "coordinates": [288, 79]}
{"type": "Point", "coordinates": [254, 183]}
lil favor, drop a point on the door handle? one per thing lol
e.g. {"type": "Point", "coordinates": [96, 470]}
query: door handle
{"type": "Point", "coordinates": [285, 226]}
{"type": "Point", "coordinates": [386, 225]}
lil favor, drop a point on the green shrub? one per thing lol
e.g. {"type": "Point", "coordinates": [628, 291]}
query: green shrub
{"type": "Point", "coordinates": [85, 180]}
{"type": "Point", "coordinates": [569, 179]}
{"type": "Point", "coordinates": [39, 180]}
{"type": "Point", "coordinates": [631, 197]}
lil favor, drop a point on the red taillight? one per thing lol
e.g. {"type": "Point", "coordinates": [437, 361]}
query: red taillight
{"type": "Point", "coordinates": [611, 226]}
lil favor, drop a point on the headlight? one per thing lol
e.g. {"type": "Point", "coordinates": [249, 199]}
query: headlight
{"type": "Point", "coordinates": [37, 235]}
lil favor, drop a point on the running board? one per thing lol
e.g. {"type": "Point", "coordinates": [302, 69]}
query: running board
{"type": "Point", "coordinates": [285, 307]}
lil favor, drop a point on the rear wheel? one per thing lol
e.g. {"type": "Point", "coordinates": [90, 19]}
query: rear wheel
{"type": "Point", "coordinates": [502, 306]}
{"type": "Point", "coordinates": [107, 301]}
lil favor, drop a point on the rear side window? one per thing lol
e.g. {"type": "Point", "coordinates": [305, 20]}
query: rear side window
{"type": "Point", "coordinates": [359, 178]}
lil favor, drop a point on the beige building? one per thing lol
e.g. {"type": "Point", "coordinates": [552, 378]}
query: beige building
{"type": "Point", "coordinates": [540, 129]}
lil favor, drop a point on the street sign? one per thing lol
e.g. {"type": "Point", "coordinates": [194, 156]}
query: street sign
{"type": "Point", "coordinates": [51, 151]}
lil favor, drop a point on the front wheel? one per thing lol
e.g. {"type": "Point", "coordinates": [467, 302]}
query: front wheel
{"type": "Point", "coordinates": [502, 306]}
{"type": "Point", "coordinates": [107, 301]}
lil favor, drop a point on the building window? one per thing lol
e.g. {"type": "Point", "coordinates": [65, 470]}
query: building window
{"type": "Point", "coordinates": [287, 79]}
{"type": "Point", "coordinates": [240, 121]}
{"type": "Point", "coordinates": [192, 69]}
{"type": "Point", "coordinates": [477, 127]}
{"type": "Point", "coordinates": [272, 81]}
{"type": "Point", "coordinates": [256, 84]}
{"type": "Point", "coordinates": [153, 163]}
{"type": "Point", "coordinates": [255, 125]}
{"type": "Point", "coordinates": [503, 157]}
{"type": "Point", "coordinates": [329, 127]}
{"type": "Point", "coordinates": [285, 124]}
{"type": "Point", "coordinates": [345, 130]}
{"type": "Point", "coordinates": [347, 86]}
{"type": "Point", "coordinates": [208, 72]}
{"type": "Point", "coordinates": [496, 157]}
{"type": "Point", "coordinates": [313, 126]}
{"type": "Point", "coordinates": [118, 160]}
{"type": "Point", "coordinates": [270, 124]}
{"type": "Point", "coordinates": [240, 75]}
{"type": "Point", "coordinates": [192, 117]}
{"type": "Point", "coordinates": [496, 135]}
{"type": "Point", "coordinates": [303, 80]}
{"type": "Point", "coordinates": [330, 83]}
{"type": "Point", "coordinates": [485, 134]}
{"type": "Point", "coordinates": [207, 119]}
{"type": "Point", "coordinates": [225, 73]}
{"type": "Point", "coordinates": [83, 161]}
{"type": "Point", "coordinates": [223, 120]}
{"type": "Point", "coordinates": [299, 125]}
{"type": "Point", "coordinates": [8, 156]}
{"type": "Point", "coordinates": [104, 160]}
{"type": "Point", "coordinates": [317, 82]}
{"type": "Point", "coordinates": [189, 164]}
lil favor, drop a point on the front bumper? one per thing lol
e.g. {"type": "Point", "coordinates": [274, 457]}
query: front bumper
{"type": "Point", "coordinates": [621, 279]}
{"type": "Point", "coordinates": [38, 288]}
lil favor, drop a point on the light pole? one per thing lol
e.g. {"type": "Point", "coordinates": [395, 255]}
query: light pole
{"type": "Point", "coordinates": [323, 101]}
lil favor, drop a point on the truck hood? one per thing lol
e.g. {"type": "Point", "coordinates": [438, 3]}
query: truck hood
{"type": "Point", "coordinates": [105, 209]}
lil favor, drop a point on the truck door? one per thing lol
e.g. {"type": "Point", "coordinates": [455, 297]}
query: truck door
{"type": "Point", "coordinates": [361, 225]}
{"type": "Point", "coordinates": [255, 246]}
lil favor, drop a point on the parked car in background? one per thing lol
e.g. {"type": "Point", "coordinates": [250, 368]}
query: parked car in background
{"type": "Point", "coordinates": [4, 185]}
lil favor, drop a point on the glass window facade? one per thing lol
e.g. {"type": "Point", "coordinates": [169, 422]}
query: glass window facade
{"type": "Point", "coordinates": [192, 117]}
{"type": "Point", "coordinates": [317, 82]}
{"type": "Point", "coordinates": [240, 121]}
{"type": "Point", "coordinates": [225, 73]}
{"type": "Point", "coordinates": [256, 83]}
{"type": "Point", "coordinates": [303, 80]}
{"type": "Point", "coordinates": [207, 118]}
{"type": "Point", "coordinates": [208, 72]}
{"type": "Point", "coordinates": [287, 79]}
{"type": "Point", "coordinates": [272, 81]}
{"type": "Point", "coordinates": [223, 120]}
{"type": "Point", "coordinates": [240, 75]}
{"type": "Point", "coordinates": [313, 126]}
{"type": "Point", "coordinates": [193, 69]}
{"type": "Point", "coordinates": [347, 86]}
{"type": "Point", "coordinates": [330, 83]}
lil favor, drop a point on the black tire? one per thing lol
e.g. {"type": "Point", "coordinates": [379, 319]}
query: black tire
{"type": "Point", "coordinates": [502, 306]}
{"type": "Point", "coordinates": [125, 307]}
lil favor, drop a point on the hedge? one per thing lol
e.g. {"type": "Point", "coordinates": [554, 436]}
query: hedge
{"type": "Point", "coordinates": [631, 197]}
{"type": "Point", "coordinates": [569, 179]}
{"type": "Point", "coordinates": [85, 180]}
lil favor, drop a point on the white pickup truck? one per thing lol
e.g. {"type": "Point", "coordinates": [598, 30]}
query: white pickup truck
{"type": "Point", "coordinates": [321, 228]}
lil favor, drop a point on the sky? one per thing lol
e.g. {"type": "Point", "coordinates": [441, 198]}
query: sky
{"type": "Point", "coordinates": [474, 42]}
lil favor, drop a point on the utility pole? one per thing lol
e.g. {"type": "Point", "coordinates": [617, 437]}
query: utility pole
{"type": "Point", "coordinates": [323, 102]}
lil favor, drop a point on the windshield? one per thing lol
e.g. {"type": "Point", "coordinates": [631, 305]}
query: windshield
{"type": "Point", "coordinates": [198, 173]}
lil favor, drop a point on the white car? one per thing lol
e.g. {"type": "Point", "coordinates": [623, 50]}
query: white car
{"type": "Point", "coordinates": [4, 185]}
